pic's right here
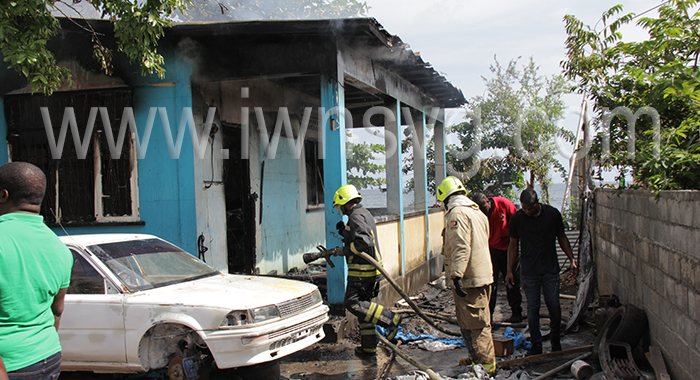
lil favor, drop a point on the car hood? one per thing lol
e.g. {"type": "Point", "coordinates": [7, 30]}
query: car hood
{"type": "Point", "coordinates": [226, 291]}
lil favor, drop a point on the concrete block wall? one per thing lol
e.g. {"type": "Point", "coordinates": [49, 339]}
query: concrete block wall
{"type": "Point", "coordinates": [647, 252]}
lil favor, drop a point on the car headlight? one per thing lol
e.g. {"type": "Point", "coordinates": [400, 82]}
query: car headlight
{"type": "Point", "coordinates": [246, 317]}
{"type": "Point", "coordinates": [236, 318]}
{"type": "Point", "coordinates": [316, 297]}
{"type": "Point", "coordinates": [266, 313]}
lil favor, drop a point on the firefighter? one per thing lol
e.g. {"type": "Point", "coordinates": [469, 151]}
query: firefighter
{"type": "Point", "coordinates": [468, 265]}
{"type": "Point", "coordinates": [360, 235]}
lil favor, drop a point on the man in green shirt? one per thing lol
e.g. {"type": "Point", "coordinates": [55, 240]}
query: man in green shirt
{"type": "Point", "coordinates": [35, 269]}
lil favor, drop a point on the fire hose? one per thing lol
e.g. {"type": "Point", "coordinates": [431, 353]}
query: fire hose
{"type": "Point", "coordinates": [323, 252]}
{"type": "Point", "coordinates": [327, 253]}
{"type": "Point", "coordinates": [405, 296]}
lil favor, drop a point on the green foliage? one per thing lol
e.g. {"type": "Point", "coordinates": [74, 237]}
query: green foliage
{"type": "Point", "coordinates": [27, 25]}
{"type": "Point", "coordinates": [660, 72]}
{"type": "Point", "coordinates": [517, 116]}
{"type": "Point", "coordinates": [361, 170]}
{"type": "Point", "coordinates": [572, 215]}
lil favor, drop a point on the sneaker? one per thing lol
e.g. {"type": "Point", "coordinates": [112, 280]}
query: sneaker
{"type": "Point", "coordinates": [535, 350]}
{"type": "Point", "coordinates": [515, 318]}
{"type": "Point", "coordinates": [556, 344]}
{"type": "Point", "coordinates": [362, 351]}
{"type": "Point", "coordinates": [394, 327]}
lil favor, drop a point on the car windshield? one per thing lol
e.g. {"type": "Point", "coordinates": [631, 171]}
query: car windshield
{"type": "Point", "coordinates": [150, 263]}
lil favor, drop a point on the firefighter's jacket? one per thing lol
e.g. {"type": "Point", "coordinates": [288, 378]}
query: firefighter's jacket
{"type": "Point", "coordinates": [466, 243]}
{"type": "Point", "coordinates": [360, 235]}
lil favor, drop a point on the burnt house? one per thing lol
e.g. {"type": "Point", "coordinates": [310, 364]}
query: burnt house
{"type": "Point", "coordinates": [236, 153]}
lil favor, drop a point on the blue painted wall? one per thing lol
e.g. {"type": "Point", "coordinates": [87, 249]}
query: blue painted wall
{"type": "Point", "coordinates": [166, 186]}
{"type": "Point", "coordinates": [288, 230]}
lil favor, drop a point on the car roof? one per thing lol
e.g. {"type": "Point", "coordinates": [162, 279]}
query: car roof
{"type": "Point", "coordinates": [92, 239]}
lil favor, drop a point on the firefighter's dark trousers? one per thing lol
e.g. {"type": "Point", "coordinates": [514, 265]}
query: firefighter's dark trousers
{"type": "Point", "coordinates": [358, 301]}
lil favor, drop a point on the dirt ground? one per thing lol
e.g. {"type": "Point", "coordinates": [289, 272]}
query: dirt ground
{"type": "Point", "coordinates": [337, 361]}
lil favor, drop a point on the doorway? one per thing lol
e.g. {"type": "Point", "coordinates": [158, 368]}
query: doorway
{"type": "Point", "coordinates": [240, 204]}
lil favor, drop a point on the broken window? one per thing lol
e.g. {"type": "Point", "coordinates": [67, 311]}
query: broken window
{"type": "Point", "coordinates": [314, 173]}
{"type": "Point", "coordinates": [96, 188]}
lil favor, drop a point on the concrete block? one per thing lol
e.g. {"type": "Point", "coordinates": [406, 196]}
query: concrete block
{"type": "Point", "coordinates": [642, 251]}
{"type": "Point", "coordinates": [656, 325]}
{"type": "Point", "coordinates": [666, 235]}
{"type": "Point", "coordinates": [648, 299]}
{"type": "Point", "coordinates": [641, 226]}
{"type": "Point", "coordinates": [693, 367]}
{"type": "Point", "coordinates": [694, 305]}
{"type": "Point", "coordinates": [625, 221]}
{"type": "Point", "coordinates": [685, 239]}
{"type": "Point", "coordinates": [614, 253]}
{"type": "Point", "coordinates": [696, 275]}
{"type": "Point", "coordinates": [652, 208]}
{"type": "Point", "coordinates": [686, 268]}
{"type": "Point", "coordinates": [647, 275]}
{"type": "Point", "coordinates": [659, 281]}
{"type": "Point", "coordinates": [684, 217]}
{"type": "Point", "coordinates": [602, 214]}
{"type": "Point", "coordinates": [603, 231]}
{"type": "Point", "coordinates": [663, 259]}
{"type": "Point", "coordinates": [632, 202]}
{"type": "Point", "coordinates": [600, 197]}
{"type": "Point", "coordinates": [674, 265]}
{"type": "Point", "coordinates": [678, 352]}
{"type": "Point", "coordinates": [680, 297]}
{"type": "Point", "coordinates": [633, 262]}
{"type": "Point", "coordinates": [653, 254]}
{"type": "Point", "coordinates": [669, 288]}
{"type": "Point", "coordinates": [662, 210]}
{"type": "Point", "coordinates": [684, 328]}
{"type": "Point", "coordinates": [626, 239]}
{"type": "Point", "coordinates": [674, 211]}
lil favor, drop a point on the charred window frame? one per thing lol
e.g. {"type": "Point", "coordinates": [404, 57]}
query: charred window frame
{"type": "Point", "coordinates": [314, 174]}
{"type": "Point", "coordinates": [80, 191]}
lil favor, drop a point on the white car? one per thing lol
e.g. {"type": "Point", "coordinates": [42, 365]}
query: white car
{"type": "Point", "coordinates": [137, 303]}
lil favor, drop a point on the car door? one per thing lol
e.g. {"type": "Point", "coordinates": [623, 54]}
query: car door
{"type": "Point", "coordinates": [92, 324]}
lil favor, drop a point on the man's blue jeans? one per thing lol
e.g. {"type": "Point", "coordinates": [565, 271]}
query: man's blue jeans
{"type": "Point", "coordinates": [548, 285]}
{"type": "Point", "coordinates": [47, 369]}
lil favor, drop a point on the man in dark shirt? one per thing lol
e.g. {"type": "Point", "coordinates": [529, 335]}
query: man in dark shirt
{"type": "Point", "coordinates": [537, 228]}
{"type": "Point", "coordinates": [360, 235]}
{"type": "Point", "coordinates": [499, 210]}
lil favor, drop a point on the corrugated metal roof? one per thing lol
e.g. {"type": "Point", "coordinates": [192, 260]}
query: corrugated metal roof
{"type": "Point", "coordinates": [395, 55]}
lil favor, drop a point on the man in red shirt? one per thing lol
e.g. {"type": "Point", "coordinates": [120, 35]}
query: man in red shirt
{"type": "Point", "coordinates": [499, 210]}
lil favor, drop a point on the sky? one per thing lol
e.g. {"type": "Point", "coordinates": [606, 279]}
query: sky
{"type": "Point", "coordinates": [460, 37]}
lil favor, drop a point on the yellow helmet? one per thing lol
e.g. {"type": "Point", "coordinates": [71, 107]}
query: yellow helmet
{"type": "Point", "coordinates": [345, 194]}
{"type": "Point", "coordinates": [449, 186]}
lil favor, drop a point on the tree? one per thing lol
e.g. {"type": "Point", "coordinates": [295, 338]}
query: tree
{"type": "Point", "coordinates": [660, 72]}
{"type": "Point", "coordinates": [518, 116]}
{"type": "Point", "coordinates": [361, 169]}
{"type": "Point", "coordinates": [407, 158]}
{"type": "Point", "coordinates": [27, 25]}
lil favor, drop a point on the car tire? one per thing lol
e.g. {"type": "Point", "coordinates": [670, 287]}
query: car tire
{"type": "Point", "coordinates": [627, 324]}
